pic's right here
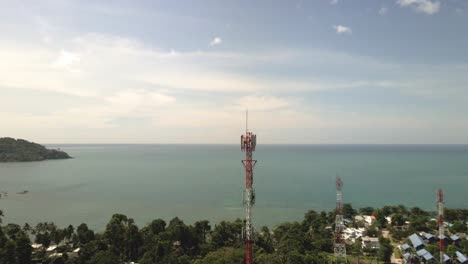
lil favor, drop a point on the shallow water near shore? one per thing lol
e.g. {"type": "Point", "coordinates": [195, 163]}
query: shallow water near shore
{"type": "Point", "coordinates": [197, 182]}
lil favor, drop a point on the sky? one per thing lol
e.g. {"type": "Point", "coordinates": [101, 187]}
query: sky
{"type": "Point", "coordinates": [308, 71]}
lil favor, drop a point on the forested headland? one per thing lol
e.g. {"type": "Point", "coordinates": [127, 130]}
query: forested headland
{"type": "Point", "coordinates": [307, 241]}
{"type": "Point", "coordinates": [15, 150]}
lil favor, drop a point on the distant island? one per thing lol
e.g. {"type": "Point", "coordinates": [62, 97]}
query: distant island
{"type": "Point", "coordinates": [18, 150]}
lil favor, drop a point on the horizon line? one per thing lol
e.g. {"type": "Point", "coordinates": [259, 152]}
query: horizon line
{"type": "Point", "coordinates": [279, 144]}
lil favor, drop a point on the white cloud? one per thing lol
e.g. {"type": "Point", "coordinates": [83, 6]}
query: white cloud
{"type": "Point", "coordinates": [425, 6]}
{"type": "Point", "coordinates": [93, 65]}
{"type": "Point", "coordinates": [334, 2]}
{"type": "Point", "coordinates": [66, 60]}
{"type": "Point", "coordinates": [383, 11]}
{"type": "Point", "coordinates": [340, 29]}
{"type": "Point", "coordinates": [181, 96]}
{"type": "Point", "coordinates": [216, 41]}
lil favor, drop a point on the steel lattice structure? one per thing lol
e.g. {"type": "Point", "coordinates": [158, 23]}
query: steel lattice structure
{"type": "Point", "coordinates": [440, 207]}
{"type": "Point", "coordinates": [248, 143]}
{"type": "Point", "coordinates": [339, 244]}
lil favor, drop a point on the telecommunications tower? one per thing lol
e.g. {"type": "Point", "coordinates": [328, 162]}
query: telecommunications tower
{"type": "Point", "coordinates": [339, 245]}
{"type": "Point", "coordinates": [248, 143]}
{"type": "Point", "coordinates": [440, 207]}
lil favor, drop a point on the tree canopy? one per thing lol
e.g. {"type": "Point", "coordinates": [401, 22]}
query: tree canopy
{"type": "Point", "coordinates": [12, 150]}
{"type": "Point", "coordinates": [122, 241]}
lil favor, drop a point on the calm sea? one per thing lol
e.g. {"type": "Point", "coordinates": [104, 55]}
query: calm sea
{"type": "Point", "coordinates": [196, 182]}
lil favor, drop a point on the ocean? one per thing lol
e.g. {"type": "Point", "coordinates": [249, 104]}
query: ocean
{"type": "Point", "coordinates": [196, 182]}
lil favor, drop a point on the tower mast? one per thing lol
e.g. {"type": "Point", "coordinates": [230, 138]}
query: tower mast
{"type": "Point", "coordinates": [339, 245]}
{"type": "Point", "coordinates": [248, 143]}
{"type": "Point", "coordinates": [440, 207]}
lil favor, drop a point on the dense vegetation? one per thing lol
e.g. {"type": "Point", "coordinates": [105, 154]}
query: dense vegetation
{"type": "Point", "coordinates": [21, 150]}
{"type": "Point", "coordinates": [308, 241]}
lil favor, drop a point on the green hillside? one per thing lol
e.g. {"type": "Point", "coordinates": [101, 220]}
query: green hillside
{"type": "Point", "coordinates": [12, 150]}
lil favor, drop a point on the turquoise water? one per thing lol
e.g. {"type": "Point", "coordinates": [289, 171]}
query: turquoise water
{"type": "Point", "coordinates": [206, 181]}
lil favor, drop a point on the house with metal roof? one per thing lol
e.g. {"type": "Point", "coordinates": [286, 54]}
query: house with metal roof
{"type": "Point", "coordinates": [410, 258]}
{"type": "Point", "coordinates": [446, 258]}
{"type": "Point", "coordinates": [417, 242]}
{"type": "Point", "coordinates": [429, 238]}
{"type": "Point", "coordinates": [405, 247]}
{"type": "Point", "coordinates": [461, 258]}
{"type": "Point", "coordinates": [427, 257]}
{"type": "Point", "coordinates": [455, 239]}
{"type": "Point", "coordinates": [424, 255]}
{"type": "Point", "coordinates": [421, 252]}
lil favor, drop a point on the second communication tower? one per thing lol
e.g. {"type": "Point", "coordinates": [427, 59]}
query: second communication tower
{"type": "Point", "coordinates": [248, 143]}
{"type": "Point", "coordinates": [339, 245]}
{"type": "Point", "coordinates": [440, 208]}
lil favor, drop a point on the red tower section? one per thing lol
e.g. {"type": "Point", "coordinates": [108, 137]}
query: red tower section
{"type": "Point", "coordinates": [248, 143]}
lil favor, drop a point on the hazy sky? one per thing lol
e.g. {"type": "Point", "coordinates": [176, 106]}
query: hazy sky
{"type": "Point", "coordinates": [309, 71]}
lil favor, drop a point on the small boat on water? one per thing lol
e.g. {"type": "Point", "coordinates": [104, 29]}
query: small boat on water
{"type": "Point", "coordinates": [23, 192]}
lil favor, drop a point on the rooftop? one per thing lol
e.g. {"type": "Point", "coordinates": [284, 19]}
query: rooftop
{"type": "Point", "coordinates": [406, 255]}
{"type": "Point", "coordinates": [51, 248]}
{"type": "Point", "coordinates": [422, 252]}
{"type": "Point", "coordinates": [405, 247]}
{"type": "Point", "coordinates": [425, 254]}
{"type": "Point", "coordinates": [428, 236]}
{"type": "Point", "coordinates": [446, 258]}
{"type": "Point", "coordinates": [461, 258]}
{"type": "Point", "coordinates": [416, 240]}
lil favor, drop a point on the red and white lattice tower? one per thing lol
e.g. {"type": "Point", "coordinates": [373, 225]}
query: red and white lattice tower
{"type": "Point", "coordinates": [248, 143]}
{"type": "Point", "coordinates": [339, 244]}
{"type": "Point", "coordinates": [440, 207]}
